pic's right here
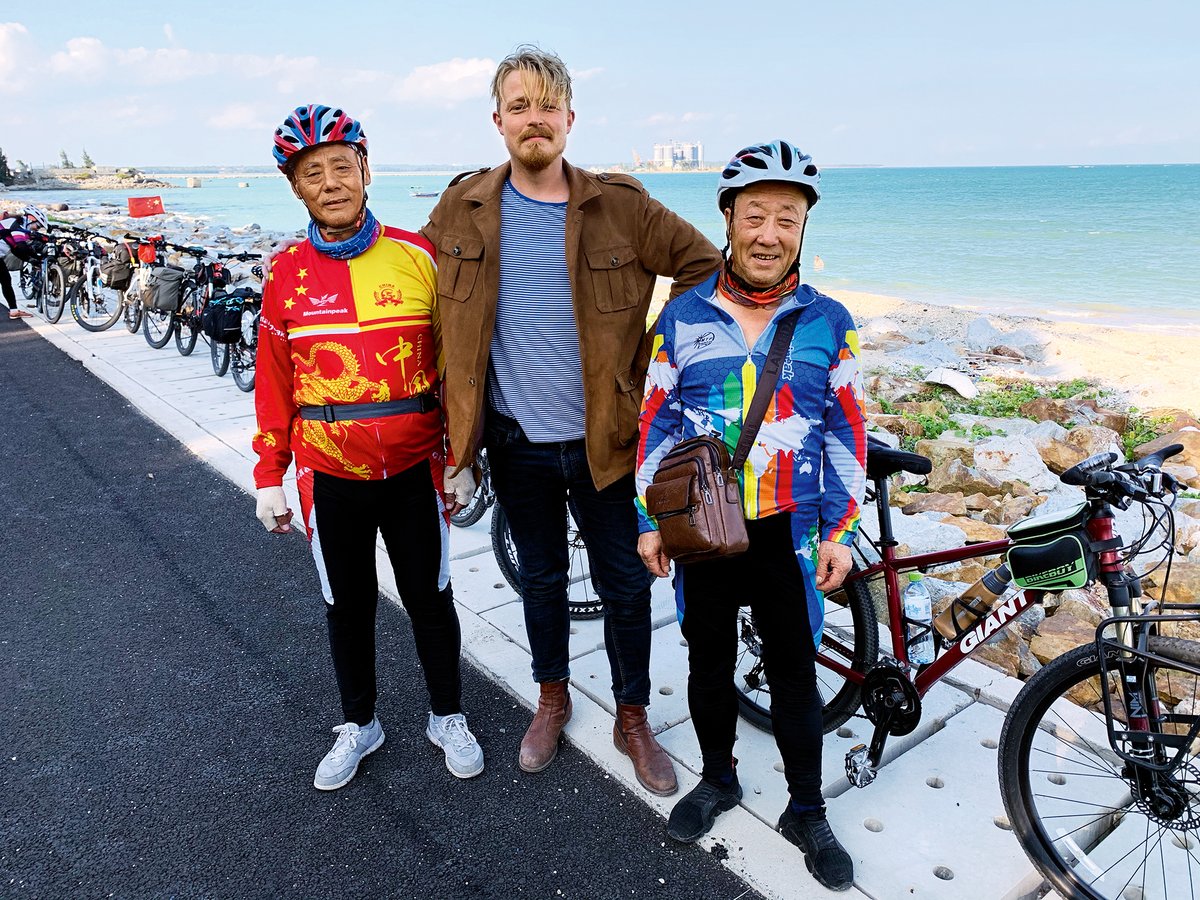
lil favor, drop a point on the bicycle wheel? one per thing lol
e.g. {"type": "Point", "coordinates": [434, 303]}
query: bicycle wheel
{"type": "Point", "coordinates": [850, 637]}
{"type": "Point", "coordinates": [1086, 822]}
{"type": "Point", "coordinates": [28, 281]}
{"type": "Point", "coordinates": [219, 354]}
{"type": "Point", "coordinates": [157, 327]}
{"type": "Point", "coordinates": [187, 321]}
{"type": "Point", "coordinates": [131, 300]}
{"type": "Point", "coordinates": [241, 364]}
{"type": "Point", "coordinates": [583, 601]}
{"type": "Point", "coordinates": [94, 305]}
{"type": "Point", "coordinates": [473, 511]}
{"type": "Point", "coordinates": [56, 293]}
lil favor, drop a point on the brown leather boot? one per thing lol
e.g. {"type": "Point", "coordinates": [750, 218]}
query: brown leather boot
{"type": "Point", "coordinates": [633, 737]}
{"type": "Point", "coordinates": [540, 744]}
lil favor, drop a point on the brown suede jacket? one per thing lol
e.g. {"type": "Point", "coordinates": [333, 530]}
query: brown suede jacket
{"type": "Point", "coordinates": [619, 240]}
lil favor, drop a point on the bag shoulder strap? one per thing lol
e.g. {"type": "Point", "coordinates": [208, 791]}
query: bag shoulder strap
{"type": "Point", "coordinates": [766, 386]}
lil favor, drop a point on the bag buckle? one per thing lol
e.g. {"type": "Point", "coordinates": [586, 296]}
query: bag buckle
{"type": "Point", "coordinates": [327, 414]}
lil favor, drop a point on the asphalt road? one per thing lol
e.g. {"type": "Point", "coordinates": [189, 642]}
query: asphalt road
{"type": "Point", "coordinates": [166, 694]}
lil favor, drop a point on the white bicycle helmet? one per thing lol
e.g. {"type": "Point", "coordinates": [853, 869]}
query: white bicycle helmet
{"type": "Point", "coordinates": [776, 161]}
{"type": "Point", "coordinates": [37, 214]}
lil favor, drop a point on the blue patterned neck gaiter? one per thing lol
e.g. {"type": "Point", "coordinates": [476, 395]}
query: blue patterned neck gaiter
{"type": "Point", "coordinates": [355, 245]}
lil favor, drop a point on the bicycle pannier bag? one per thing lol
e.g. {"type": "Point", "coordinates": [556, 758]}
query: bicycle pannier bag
{"type": "Point", "coordinates": [1051, 551]}
{"type": "Point", "coordinates": [166, 288]}
{"type": "Point", "coordinates": [697, 503]}
{"type": "Point", "coordinates": [117, 269]}
{"type": "Point", "coordinates": [222, 317]}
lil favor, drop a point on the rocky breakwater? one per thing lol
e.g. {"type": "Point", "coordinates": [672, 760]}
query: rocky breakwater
{"type": "Point", "coordinates": [978, 403]}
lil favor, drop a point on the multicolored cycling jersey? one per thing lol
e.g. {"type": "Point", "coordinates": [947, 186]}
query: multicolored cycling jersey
{"type": "Point", "coordinates": [809, 456]}
{"type": "Point", "coordinates": [14, 231]}
{"type": "Point", "coordinates": [336, 332]}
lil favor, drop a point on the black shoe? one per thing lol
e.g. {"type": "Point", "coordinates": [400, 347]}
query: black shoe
{"type": "Point", "coordinates": [827, 859]}
{"type": "Point", "coordinates": [694, 815]}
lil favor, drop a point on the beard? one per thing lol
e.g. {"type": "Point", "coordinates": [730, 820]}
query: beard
{"type": "Point", "coordinates": [537, 157]}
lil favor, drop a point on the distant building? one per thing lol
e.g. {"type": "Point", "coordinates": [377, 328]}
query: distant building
{"type": "Point", "coordinates": [678, 155]}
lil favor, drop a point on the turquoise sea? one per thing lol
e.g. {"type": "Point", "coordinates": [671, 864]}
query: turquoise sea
{"type": "Point", "coordinates": [1061, 241]}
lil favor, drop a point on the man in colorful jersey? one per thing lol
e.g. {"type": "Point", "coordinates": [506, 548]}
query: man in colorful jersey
{"type": "Point", "coordinates": [15, 243]}
{"type": "Point", "coordinates": [802, 485]}
{"type": "Point", "coordinates": [347, 383]}
{"type": "Point", "coordinates": [547, 275]}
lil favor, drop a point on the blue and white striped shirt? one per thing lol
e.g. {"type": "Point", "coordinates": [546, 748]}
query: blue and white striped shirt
{"type": "Point", "coordinates": [536, 375]}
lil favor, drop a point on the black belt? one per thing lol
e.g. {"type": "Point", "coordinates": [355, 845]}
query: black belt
{"type": "Point", "coordinates": [422, 403]}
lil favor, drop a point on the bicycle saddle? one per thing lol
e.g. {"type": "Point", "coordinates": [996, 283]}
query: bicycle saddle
{"type": "Point", "coordinates": [883, 461]}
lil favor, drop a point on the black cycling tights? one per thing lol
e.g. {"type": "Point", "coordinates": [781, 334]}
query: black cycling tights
{"type": "Point", "coordinates": [405, 509]}
{"type": "Point", "coordinates": [768, 579]}
{"type": "Point", "coordinates": [6, 285]}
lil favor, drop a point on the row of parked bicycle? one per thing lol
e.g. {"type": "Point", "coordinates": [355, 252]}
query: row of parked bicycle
{"type": "Point", "coordinates": [131, 280]}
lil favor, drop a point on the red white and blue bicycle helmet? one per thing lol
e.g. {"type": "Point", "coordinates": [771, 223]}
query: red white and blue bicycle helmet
{"type": "Point", "coordinates": [776, 161]}
{"type": "Point", "coordinates": [37, 214]}
{"type": "Point", "coordinates": [310, 125]}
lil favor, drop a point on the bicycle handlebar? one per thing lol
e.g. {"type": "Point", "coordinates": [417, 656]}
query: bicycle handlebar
{"type": "Point", "coordinates": [1136, 480]}
{"type": "Point", "coordinates": [244, 256]}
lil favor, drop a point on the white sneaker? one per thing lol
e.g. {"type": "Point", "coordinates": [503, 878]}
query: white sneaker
{"type": "Point", "coordinates": [352, 744]}
{"type": "Point", "coordinates": [464, 756]}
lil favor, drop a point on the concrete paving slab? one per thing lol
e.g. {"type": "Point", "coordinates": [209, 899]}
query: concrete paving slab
{"type": "Point", "coordinates": [668, 679]}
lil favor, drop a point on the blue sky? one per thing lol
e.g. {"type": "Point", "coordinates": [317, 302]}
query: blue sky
{"type": "Point", "coordinates": [918, 83]}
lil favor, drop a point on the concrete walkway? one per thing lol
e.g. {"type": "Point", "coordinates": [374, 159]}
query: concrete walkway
{"type": "Point", "coordinates": [932, 825]}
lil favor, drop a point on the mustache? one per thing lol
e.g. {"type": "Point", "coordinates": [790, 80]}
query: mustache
{"type": "Point", "coordinates": [534, 131]}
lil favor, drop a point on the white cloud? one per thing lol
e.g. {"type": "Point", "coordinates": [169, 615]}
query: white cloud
{"type": "Point", "coordinates": [169, 32]}
{"type": "Point", "coordinates": [239, 117]}
{"type": "Point", "coordinates": [84, 56]}
{"type": "Point", "coordinates": [446, 82]}
{"type": "Point", "coordinates": [585, 74]}
{"type": "Point", "coordinates": [13, 40]}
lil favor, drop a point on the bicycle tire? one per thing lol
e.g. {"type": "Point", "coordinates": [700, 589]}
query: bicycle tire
{"type": "Point", "coordinates": [158, 327]}
{"type": "Point", "coordinates": [1054, 755]}
{"type": "Point", "coordinates": [132, 306]}
{"type": "Point", "coordinates": [473, 511]}
{"type": "Point", "coordinates": [851, 633]}
{"type": "Point", "coordinates": [581, 604]}
{"type": "Point", "coordinates": [55, 293]}
{"type": "Point", "coordinates": [187, 321]}
{"type": "Point", "coordinates": [241, 364]}
{"type": "Point", "coordinates": [107, 311]}
{"type": "Point", "coordinates": [218, 354]}
{"type": "Point", "coordinates": [27, 281]}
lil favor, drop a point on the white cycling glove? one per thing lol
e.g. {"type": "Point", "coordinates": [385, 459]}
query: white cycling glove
{"type": "Point", "coordinates": [462, 485]}
{"type": "Point", "coordinates": [272, 510]}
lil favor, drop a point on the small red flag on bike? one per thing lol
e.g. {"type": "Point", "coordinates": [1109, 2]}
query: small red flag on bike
{"type": "Point", "coordinates": [140, 207]}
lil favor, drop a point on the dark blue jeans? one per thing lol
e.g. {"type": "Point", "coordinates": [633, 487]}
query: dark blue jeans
{"type": "Point", "coordinates": [534, 483]}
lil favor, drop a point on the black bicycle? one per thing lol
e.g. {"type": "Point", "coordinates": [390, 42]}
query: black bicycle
{"type": "Point", "coordinates": [583, 600]}
{"type": "Point", "coordinates": [483, 498]}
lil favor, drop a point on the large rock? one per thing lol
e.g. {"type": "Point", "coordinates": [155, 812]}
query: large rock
{"type": "Point", "coordinates": [932, 408]}
{"type": "Point", "coordinates": [986, 338]}
{"type": "Point", "coordinates": [1184, 586]}
{"type": "Point", "coordinates": [1088, 605]}
{"type": "Point", "coordinates": [975, 530]}
{"type": "Point", "coordinates": [925, 533]}
{"type": "Point", "coordinates": [980, 502]}
{"type": "Point", "coordinates": [1013, 459]}
{"type": "Point", "coordinates": [931, 354]}
{"type": "Point", "coordinates": [892, 388]}
{"type": "Point", "coordinates": [1190, 508]}
{"type": "Point", "coordinates": [1093, 439]}
{"type": "Point", "coordinates": [1191, 447]}
{"type": "Point", "coordinates": [1010, 653]}
{"type": "Point", "coordinates": [958, 382]}
{"type": "Point", "coordinates": [943, 503]}
{"type": "Point", "coordinates": [1172, 418]}
{"type": "Point", "coordinates": [1012, 509]}
{"type": "Point", "coordinates": [1058, 634]}
{"type": "Point", "coordinates": [1186, 474]}
{"type": "Point", "coordinates": [897, 425]}
{"type": "Point", "coordinates": [942, 449]}
{"type": "Point", "coordinates": [952, 476]}
{"type": "Point", "coordinates": [1059, 455]}
{"type": "Point", "coordinates": [1046, 409]}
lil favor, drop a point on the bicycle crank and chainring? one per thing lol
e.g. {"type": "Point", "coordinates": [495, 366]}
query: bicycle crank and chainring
{"type": "Point", "coordinates": [889, 696]}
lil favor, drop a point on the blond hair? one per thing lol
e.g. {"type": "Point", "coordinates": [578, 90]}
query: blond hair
{"type": "Point", "coordinates": [542, 74]}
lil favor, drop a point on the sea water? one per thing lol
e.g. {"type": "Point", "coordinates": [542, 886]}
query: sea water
{"type": "Point", "coordinates": [1058, 241]}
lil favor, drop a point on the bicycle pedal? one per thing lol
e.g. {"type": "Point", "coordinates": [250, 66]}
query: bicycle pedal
{"type": "Point", "coordinates": [859, 771]}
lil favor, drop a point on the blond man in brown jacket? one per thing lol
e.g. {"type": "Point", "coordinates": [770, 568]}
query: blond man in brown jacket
{"type": "Point", "coordinates": [545, 275]}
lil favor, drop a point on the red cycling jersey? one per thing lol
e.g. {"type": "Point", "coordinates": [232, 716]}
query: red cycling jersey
{"type": "Point", "coordinates": [336, 332]}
